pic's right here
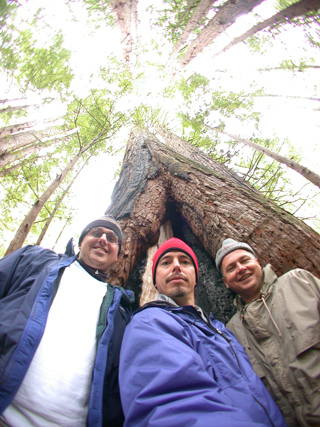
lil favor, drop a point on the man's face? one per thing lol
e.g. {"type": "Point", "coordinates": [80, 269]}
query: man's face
{"type": "Point", "coordinates": [176, 277]}
{"type": "Point", "coordinates": [98, 252]}
{"type": "Point", "coordinates": [242, 273]}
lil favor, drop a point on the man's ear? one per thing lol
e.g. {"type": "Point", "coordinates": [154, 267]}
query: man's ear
{"type": "Point", "coordinates": [225, 283]}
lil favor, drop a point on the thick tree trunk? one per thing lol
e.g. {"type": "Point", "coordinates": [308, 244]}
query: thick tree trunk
{"type": "Point", "coordinates": [297, 9]}
{"type": "Point", "coordinates": [225, 17]}
{"type": "Point", "coordinates": [199, 13]}
{"type": "Point", "coordinates": [187, 187]}
{"type": "Point", "coordinates": [305, 172]}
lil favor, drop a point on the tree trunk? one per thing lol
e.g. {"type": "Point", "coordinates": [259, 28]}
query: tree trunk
{"type": "Point", "coordinates": [305, 172]}
{"type": "Point", "coordinates": [19, 140]}
{"type": "Point", "coordinates": [124, 11]}
{"type": "Point", "coordinates": [11, 109]}
{"type": "Point", "coordinates": [205, 203]}
{"type": "Point", "coordinates": [9, 130]}
{"type": "Point", "coordinates": [27, 223]}
{"type": "Point", "coordinates": [297, 9]}
{"type": "Point", "coordinates": [199, 13]}
{"type": "Point", "coordinates": [57, 205]}
{"type": "Point", "coordinates": [225, 17]}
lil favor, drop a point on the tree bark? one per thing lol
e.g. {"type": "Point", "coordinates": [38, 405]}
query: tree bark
{"type": "Point", "coordinates": [225, 17]}
{"type": "Point", "coordinates": [302, 170]}
{"type": "Point", "coordinates": [297, 9]}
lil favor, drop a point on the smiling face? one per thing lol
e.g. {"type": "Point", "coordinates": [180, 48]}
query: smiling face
{"type": "Point", "coordinates": [242, 273]}
{"type": "Point", "coordinates": [97, 252]}
{"type": "Point", "coordinates": [176, 277]}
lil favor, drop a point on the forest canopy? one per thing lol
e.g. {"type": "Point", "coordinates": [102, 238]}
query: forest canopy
{"type": "Point", "coordinates": [237, 79]}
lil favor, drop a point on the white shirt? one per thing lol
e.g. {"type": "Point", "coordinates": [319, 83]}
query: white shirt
{"type": "Point", "coordinates": [56, 388]}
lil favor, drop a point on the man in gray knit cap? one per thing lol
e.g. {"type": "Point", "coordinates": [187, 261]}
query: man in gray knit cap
{"type": "Point", "coordinates": [278, 324]}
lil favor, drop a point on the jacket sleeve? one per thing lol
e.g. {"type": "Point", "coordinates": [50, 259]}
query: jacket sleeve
{"type": "Point", "coordinates": [8, 265]}
{"type": "Point", "coordinates": [163, 380]}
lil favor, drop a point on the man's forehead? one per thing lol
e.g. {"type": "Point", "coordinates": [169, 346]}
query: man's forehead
{"type": "Point", "coordinates": [175, 254]}
{"type": "Point", "coordinates": [237, 254]}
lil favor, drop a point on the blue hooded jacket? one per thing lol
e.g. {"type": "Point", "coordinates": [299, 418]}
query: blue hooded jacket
{"type": "Point", "coordinates": [178, 370]}
{"type": "Point", "coordinates": [29, 279]}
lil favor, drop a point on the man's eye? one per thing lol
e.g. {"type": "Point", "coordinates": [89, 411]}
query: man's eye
{"type": "Point", "coordinates": [230, 269]}
{"type": "Point", "coordinates": [112, 238]}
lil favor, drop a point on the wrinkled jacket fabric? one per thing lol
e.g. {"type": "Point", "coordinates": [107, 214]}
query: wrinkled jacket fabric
{"type": "Point", "coordinates": [177, 370]}
{"type": "Point", "coordinates": [29, 279]}
{"type": "Point", "coordinates": [280, 332]}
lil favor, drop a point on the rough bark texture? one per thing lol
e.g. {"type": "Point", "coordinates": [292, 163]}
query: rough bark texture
{"type": "Point", "coordinates": [225, 17]}
{"type": "Point", "coordinates": [205, 203]}
{"type": "Point", "coordinates": [297, 9]}
{"type": "Point", "coordinates": [302, 170]}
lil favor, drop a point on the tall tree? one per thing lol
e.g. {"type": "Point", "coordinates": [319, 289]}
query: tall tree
{"type": "Point", "coordinates": [301, 8]}
{"type": "Point", "coordinates": [302, 170]}
{"type": "Point", "coordinates": [226, 16]}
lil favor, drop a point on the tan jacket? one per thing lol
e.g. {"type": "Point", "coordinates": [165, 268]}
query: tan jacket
{"type": "Point", "coordinates": [280, 332]}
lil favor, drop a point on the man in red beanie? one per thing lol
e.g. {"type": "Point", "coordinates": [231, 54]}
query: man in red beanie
{"type": "Point", "coordinates": [179, 367]}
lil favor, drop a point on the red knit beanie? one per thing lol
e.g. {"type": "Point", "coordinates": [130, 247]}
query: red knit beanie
{"type": "Point", "coordinates": [174, 244]}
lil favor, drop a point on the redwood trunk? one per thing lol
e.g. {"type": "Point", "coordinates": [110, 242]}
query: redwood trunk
{"type": "Point", "coordinates": [206, 203]}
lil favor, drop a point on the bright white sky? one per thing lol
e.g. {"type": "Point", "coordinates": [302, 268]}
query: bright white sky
{"type": "Point", "coordinates": [296, 119]}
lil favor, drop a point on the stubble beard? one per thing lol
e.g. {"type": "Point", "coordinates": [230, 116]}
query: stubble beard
{"type": "Point", "coordinates": [177, 293]}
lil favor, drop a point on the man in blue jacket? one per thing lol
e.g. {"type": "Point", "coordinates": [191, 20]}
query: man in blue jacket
{"type": "Point", "coordinates": [180, 368]}
{"type": "Point", "coordinates": [61, 327]}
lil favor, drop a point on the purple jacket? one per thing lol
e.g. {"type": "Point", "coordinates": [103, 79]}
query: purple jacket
{"type": "Point", "coordinates": [177, 370]}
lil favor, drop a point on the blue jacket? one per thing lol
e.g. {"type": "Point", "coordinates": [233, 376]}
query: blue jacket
{"type": "Point", "coordinates": [177, 370]}
{"type": "Point", "coordinates": [29, 279]}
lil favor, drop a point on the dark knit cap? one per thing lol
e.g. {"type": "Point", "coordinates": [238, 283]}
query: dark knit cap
{"type": "Point", "coordinates": [106, 221]}
{"type": "Point", "coordinates": [174, 244]}
{"type": "Point", "coordinates": [230, 245]}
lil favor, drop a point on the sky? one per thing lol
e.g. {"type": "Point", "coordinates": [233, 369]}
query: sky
{"type": "Point", "coordinates": [292, 118]}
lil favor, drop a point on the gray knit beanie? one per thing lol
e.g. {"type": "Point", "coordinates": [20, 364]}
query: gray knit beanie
{"type": "Point", "coordinates": [107, 221]}
{"type": "Point", "coordinates": [230, 245]}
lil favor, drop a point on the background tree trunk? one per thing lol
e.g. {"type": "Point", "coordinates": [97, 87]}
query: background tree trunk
{"type": "Point", "coordinates": [297, 9]}
{"type": "Point", "coordinates": [226, 16]}
{"type": "Point", "coordinates": [302, 170]}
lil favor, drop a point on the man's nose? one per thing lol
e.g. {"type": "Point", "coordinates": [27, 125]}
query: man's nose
{"type": "Point", "coordinates": [240, 267]}
{"type": "Point", "coordinates": [176, 264]}
{"type": "Point", "coordinates": [103, 238]}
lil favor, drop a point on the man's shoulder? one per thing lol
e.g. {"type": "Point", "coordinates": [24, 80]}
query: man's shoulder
{"type": "Point", "coordinates": [296, 275]}
{"type": "Point", "coordinates": [234, 322]}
